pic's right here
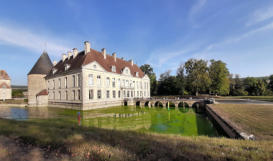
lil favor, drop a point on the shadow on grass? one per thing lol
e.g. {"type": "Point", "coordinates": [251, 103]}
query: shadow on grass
{"type": "Point", "coordinates": [103, 144]}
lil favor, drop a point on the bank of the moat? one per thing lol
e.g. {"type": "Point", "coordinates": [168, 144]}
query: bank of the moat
{"type": "Point", "coordinates": [182, 121]}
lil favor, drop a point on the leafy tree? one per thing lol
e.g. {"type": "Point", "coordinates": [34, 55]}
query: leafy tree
{"type": "Point", "coordinates": [147, 69]}
{"type": "Point", "coordinates": [254, 86]}
{"type": "Point", "coordinates": [237, 86]}
{"type": "Point", "coordinates": [180, 80]}
{"type": "Point", "coordinates": [167, 84]}
{"type": "Point", "coordinates": [270, 85]}
{"type": "Point", "coordinates": [219, 76]}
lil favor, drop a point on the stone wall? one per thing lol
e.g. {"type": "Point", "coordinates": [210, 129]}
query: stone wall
{"type": "Point", "coordinates": [36, 83]}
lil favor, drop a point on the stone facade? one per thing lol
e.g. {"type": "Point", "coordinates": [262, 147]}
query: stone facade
{"type": "Point", "coordinates": [5, 86]}
{"type": "Point", "coordinates": [36, 83]}
{"type": "Point", "coordinates": [91, 79]}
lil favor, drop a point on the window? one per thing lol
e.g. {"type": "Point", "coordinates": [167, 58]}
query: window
{"type": "Point", "coordinates": [137, 84]}
{"type": "Point", "coordinates": [79, 80]}
{"type": "Point", "coordinates": [65, 82]}
{"type": "Point", "coordinates": [113, 82]}
{"type": "Point", "coordinates": [124, 93]}
{"type": "Point", "coordinates": [74, 81]}
{"type": "Point", "coordinates": [128, 94]}
{"type": "Point", "coordinates": [91, 79]}
{"type": "Point", "coordinates": [113, 68]}
{"type": "Point", "coordinates": [107, 82]}
{"type": "Point", "coordinates": [67, 66]}
{"type": "Point", "coordinates": [127, 83]}
{"type": "Point", "coordinates": [98, 80]}
{"type": "Point", "coordinates": [114, 94]}
{"type": "Point", "coordinates": [99, 94]}
{"type": "Point", "coordinates": [79, 94]}
{"type": "Point", "coordinates": [74, 95]}
{"type": "Point", "coordinates": [137, 74]}
{"type": "Point", "coordinates": [127, 71]}
{"type": "Point", "coordinates": [54, 95]}
{"type": "Point", "coordinates": [118, 94]}
{"type": "Point", "coordinates": [94, 66]}
{"type": "Point", "coordinates": [60, 95]}
{"type": "Point", "coordinates": [107, 94]}
{"type": "Point", "coordinates": [91, 94]}
{"type": "Point", "coordinates": [137, 93]}
{"type": "Point", "coordinates": [66, 95]}
{"type": "Point", "coordinates": [54, 85]}
{"type": "Point", "coordinates": [132, 94]}
{"type": "Point", "coordinates": [59, 83]}
{"type": "Point", "coordinates": [54, 71]}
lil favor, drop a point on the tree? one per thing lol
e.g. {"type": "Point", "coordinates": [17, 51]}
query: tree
{"type": "Point", "coordinates": [270, 85]}
{"type": "Point", "coordinates": [197, 76]}
{"type": "Point", "coordinates": [219, 76]}
{"type": "Point", "coordinates": [167, 84]}
{"type": "Point", "coordinates": [180, 80]}
{"type": "Point", "coordinates": [254, 86]}
{"type": "Point", "coordinates": [147, 69]}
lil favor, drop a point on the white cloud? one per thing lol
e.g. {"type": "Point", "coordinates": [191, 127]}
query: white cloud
{"type": "Point", "coordinates": [260, 15]}
{"type": "Point", "coordinates": [196, 8]}
{"type": "Point", "coordinates": [19, 36]}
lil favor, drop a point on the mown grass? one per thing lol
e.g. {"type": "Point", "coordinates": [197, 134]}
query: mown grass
{"type": "Point", "coordinates": [89, 143]}
{"type": "Point", "coordinates": [260, 98]}
{"type": "Point", "coordinates": [253, 119]}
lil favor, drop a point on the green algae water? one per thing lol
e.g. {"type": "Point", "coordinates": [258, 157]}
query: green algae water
{"type": "Point", "coordinates": [149, 120]}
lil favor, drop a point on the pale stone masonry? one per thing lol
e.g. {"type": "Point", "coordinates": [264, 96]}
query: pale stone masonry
{"type": "Point", "coordinates": [89, 79]}
{"type": "Point", "coordinates": [5, 86]}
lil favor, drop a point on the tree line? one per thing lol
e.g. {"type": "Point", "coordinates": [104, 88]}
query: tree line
{"type": "Point", "coordinates": [198, 76]}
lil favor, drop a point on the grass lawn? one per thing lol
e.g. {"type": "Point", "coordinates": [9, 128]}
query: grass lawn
{"type": "Point", "coordinates": [254, 119]}
{"type": "Point", "coordinates": [57, 139]}
{"type": "Point", "coordinates": [261, 98]}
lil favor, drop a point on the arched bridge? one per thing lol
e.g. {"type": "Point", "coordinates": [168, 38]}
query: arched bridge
{"type": "Point", "coordinates": [165, 102]}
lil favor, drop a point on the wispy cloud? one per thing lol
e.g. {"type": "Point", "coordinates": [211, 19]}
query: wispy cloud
{"type": "Point", "coordinates": [260, 15]}
{"type": "Point", "coordinates": [22, 37]}
{"type": "Point", "coordinates": [196, 9]}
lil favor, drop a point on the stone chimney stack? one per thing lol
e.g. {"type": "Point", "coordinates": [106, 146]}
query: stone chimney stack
{"type": "Point", "coordinates": [132, 62]}
{"type": "Point", "coordinates": [87, 47]}
{"type": "Point", "coordinates": [75, 52]}
{"type": "Point", "coordinates": [69, 54]}
{"type": "Point", "coordinates": [64, 57]}
{"type": "Point", "coordinates": [54, 62]}
{"type": "Point", "coordinates": [115, 56]}
{"type": "Point", "coordinates": [103, 51]}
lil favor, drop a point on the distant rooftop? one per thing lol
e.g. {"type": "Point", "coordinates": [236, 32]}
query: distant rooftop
{"type": "Point", "coordinates": [4, 75]}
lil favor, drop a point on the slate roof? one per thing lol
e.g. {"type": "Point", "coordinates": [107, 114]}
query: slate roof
{"type": "Point", "coordinates": [4, 75]}
{"type": "Point", "coordinates": [93, 55]}
{"type": "Point", "coordinates": [42, 66]}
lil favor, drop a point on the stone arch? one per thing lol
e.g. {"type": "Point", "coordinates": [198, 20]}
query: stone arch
{"type": "Point", "coordinates": [125, 103]}
{"type": "Point", "coordinates": [147, 104]}
{"type": "Point", "coordinates": [137, 103]}
{"type": "Point", "coordinates": [186, 104]}
{"type": "Point", "coordinates": [158, 104]}
{"type": "Point", "coordinates": [180, 104]}
{"type": "Point", "coordinates": [171, 105]}
{"type": "Point", "coordinates": [199, 107]}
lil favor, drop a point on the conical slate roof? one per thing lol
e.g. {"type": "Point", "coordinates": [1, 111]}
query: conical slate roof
{"type": "Point", "coordinates": [42, 66]}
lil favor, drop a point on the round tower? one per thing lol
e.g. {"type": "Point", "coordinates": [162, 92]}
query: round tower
{"type": "Point", "coordinates": [36, 78]}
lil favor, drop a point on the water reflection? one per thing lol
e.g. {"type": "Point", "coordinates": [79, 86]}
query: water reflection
{"type": "Point", "coordinates": [183, 121]}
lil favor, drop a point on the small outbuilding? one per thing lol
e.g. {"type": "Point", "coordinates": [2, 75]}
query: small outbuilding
{"type": "Point", "coordinates": [5, 85]}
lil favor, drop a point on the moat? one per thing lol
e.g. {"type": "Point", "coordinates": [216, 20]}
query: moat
{"type": "Point", "coordinates": [182, 121]}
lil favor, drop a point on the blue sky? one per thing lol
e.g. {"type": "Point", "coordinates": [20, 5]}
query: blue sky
{"type": "Point", "coordinates": [163, 33]}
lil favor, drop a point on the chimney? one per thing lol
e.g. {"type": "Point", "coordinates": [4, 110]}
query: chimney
{"type": "Point", "coordinates": [69, 54]}
{"type": "Point", "coordinates": [131, 61]}
{"type": "Point", "coordinates": [64, 57]}
{"type": "Point", "coordinates": [103, 51]}
{"type": "Point", "coordinates": [115, 56]}
{"type": "Point", "coordinates": [86, 47]}
{"type": "Point", "coordinates": [75, 52]}
{"type": "Point", "coordinates": [54, 62]}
